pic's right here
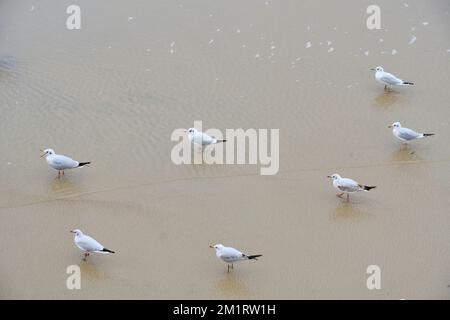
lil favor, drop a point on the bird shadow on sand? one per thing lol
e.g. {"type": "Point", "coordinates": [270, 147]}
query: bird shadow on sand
{"type": "Point", "coordinates": [231, 286]}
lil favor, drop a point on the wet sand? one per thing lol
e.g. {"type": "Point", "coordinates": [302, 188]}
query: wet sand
{"type": "Point", "coordinates": [113, 92]}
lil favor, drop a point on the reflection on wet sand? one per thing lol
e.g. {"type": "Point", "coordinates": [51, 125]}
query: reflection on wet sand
{"type": "Point", "coordinates": [387, 99]}
{"type": "Point", "coordinates": [64, 187]}
{"type": "Point", "coordinates": [231, 286]}
{"type": "Point", "coordinates": [90, 271]}
{"type": "Point", "coordinates": [405, 154]}
{"type": "Point", "coordinates": [348, 209]}
{"type": "Point", "coordinates": [7, 61]}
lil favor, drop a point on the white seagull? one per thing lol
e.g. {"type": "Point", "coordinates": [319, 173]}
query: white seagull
{"type": "Point", "coordinates": [88, 244]}
{"type": "Point", "coordinates": [201, 138]}
{"type": "Point", "coordinates": [230, 255]}
{"type": "Point", "coordinates": [60, 162]}
{"type": "Point", "coordinates": [405, 134]}
{"type": "Point", "coordinates": [388, 79]}
{"type": "Point", "coordinates": [347, 186]}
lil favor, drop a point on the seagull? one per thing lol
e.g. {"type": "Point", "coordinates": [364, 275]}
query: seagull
{"type": "Point", "coordinates": [388, 79]}
{"type": "Point", "coordinates": [60, 162]}
{"type": "Point", "coordinates": [201, 138]}
{"type": "Point", "coordinates": [406, 134]}
{"type": "Point", "coordinates": [231, 255]}
{"type": "Point", "coordinates": [347, 185]}
{"type": "Point", "coordinates": [88, 244]}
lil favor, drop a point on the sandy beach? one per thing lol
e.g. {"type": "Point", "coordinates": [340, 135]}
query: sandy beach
{"type": "Point", "coordinates": [113, 92]}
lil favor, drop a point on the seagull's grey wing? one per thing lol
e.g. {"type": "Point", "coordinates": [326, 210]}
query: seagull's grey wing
{"type": "Point", "coordinates": [408, 134]}
{"type": "Point", "coordinates": [89, 244]}
{"type": "Point", "coordinates": [202, 138]}
{"type": "Point", "coordinates": [231, 254]}
{"type": "Point", "coordinates": [390, 79]}
{"type": "Point", "coordinates": [63, 162]}
{"type": "Point", "coordinates": [348, 185]}
{"type": "Point", "coordinates": [207, 139]}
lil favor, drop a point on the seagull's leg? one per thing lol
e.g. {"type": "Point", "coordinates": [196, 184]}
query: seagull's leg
{"type": "Point", "coordinates": [348, 197]}
{"type": "Point", "coordinates": [232, 266]}
{"type": "Point", "coordinates": [385, 87]}
{"type": "Point", "coordinates": [228, 268]}
{"type": "Point", "coordinates": [63, 172]}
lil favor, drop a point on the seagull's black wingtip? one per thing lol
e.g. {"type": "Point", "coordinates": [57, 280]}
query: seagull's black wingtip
{"type": "Point", "coordinates": [83, 164]}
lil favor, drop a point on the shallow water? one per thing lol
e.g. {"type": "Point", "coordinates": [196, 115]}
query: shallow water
{"type": "Point", "coordinates": [113, 92]}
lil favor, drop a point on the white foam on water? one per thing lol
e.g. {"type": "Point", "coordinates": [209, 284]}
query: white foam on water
{"type": "Point", "coordinates": [413, 39]}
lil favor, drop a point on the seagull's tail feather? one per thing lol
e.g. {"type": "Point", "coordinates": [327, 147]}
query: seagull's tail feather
{"type": "Point", "coordinates": [219, 141]}
{"type": "Point", "coordinates": [254, 257]}
{"type": "Point", "coordinates": [406, 82]}
{"type": "Point", "coordinates": [428, 134]}
{"type": "Point", "coordinates": [367, 188]}
{"type": "Point", "coordinates": [107, 250]}
{"type": "Point", "coordinates": [83, 164]}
